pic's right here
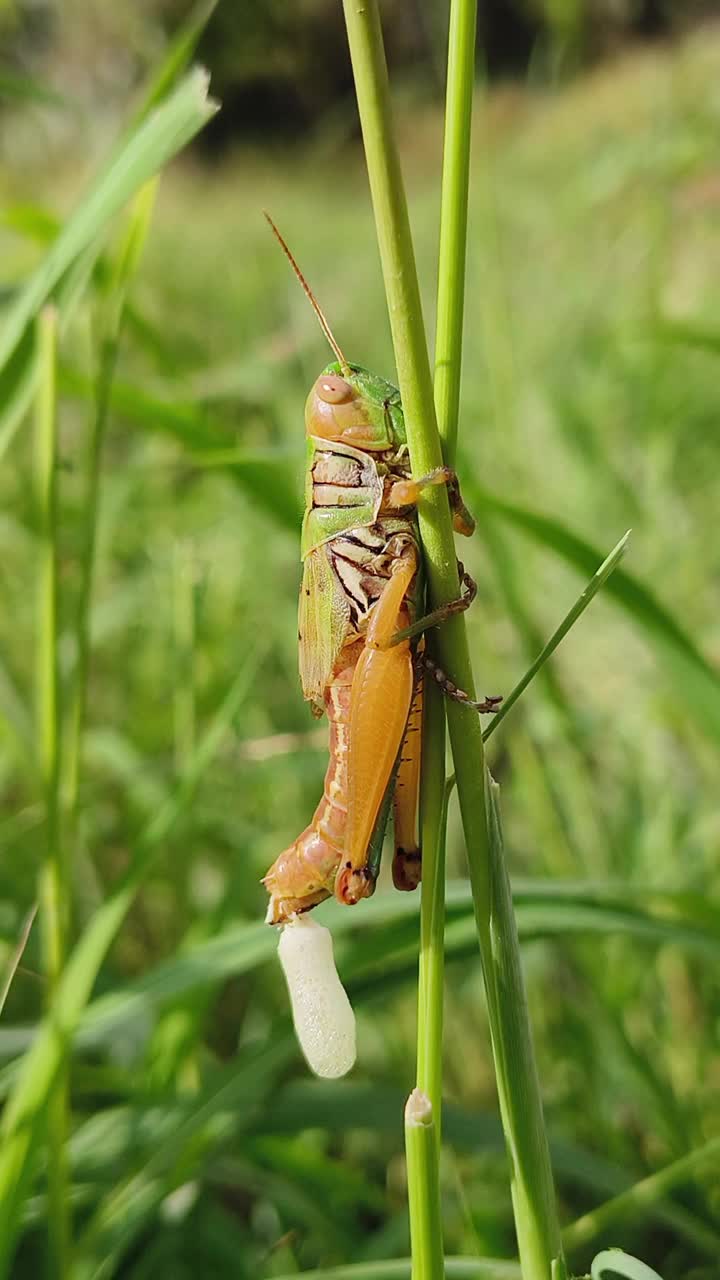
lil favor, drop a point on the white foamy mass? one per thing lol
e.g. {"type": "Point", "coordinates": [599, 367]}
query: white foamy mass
{"type": "Point", "coordinates": [323, 1017]}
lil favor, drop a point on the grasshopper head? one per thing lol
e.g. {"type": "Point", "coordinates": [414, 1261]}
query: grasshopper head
{"type": "Point", "coordinates": [349, 405]}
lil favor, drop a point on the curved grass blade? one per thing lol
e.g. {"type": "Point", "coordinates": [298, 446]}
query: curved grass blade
{"type": "Point", "coordinates": [162, 134]}
{"type": "Point", "coordinates": [401, 1269]}
{"type": "Point", "coordinates": [643, 1194]}
{"type": "Point", "coordinates": [617, 1263]}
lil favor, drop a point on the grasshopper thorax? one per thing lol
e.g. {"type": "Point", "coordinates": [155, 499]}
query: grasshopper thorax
{"type": "Point", "coordinates": [351, 406]}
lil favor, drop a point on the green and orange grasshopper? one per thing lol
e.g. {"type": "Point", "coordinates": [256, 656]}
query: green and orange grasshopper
{"type": "Point", "coordinates": [360, 629]}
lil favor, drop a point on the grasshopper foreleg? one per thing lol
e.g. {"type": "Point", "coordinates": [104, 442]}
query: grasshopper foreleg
{"type": "Point", "coordinates": [405, 493]}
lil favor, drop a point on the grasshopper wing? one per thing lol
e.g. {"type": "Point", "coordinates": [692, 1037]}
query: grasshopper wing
{"type": "Point", "coordinates": [324, 620]}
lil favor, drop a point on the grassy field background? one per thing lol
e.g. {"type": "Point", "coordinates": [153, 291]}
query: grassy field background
{"type": "Point", "coordinates": [590, 404]}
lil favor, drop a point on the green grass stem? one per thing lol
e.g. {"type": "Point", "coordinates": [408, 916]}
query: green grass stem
{"type": "Point", "coordinates": [421, 1148]}
{"type": "Point", "coordinates": [431, 972]}
{"type": "Point", "coordinates": [448, 359]}
{"type": "Point", "coordinates": [183, 593]}
{"type": "Point", "coordinates": [54, 891]}
{"type": "Point", "coordinates": [521, 1107]}
{"type": "Point", "coordinates": [453, 220]}
{"type": "Point", "coordinates": [518, 1086]}
{"type": "Point", "coordinates": [112, 311]}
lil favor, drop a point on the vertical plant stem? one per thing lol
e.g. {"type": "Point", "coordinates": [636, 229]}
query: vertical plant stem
{"type": "Point", "coordinates": [453, 221]}
{"type": "Point", "coordinates": [421, 1146]}
{"type": "Point", "coordinates": [184, 645]}
{"type": "Point", "coordinates": [448, 357]}
{"type": "Point", "coordinates": [183, 614]}
{"type": "Point", "coordinates": [432, 905]}
{"type": "Point", "coordinates": [110, 326]}
{"type": "Point", "coordinates": [531, 1181]}
{"type": "Point", "coordinates": [54, 887]}
{"type": "Point", "coordinates": [521, 1107]}
{"type": "Point", "coordinates": [88, 544]}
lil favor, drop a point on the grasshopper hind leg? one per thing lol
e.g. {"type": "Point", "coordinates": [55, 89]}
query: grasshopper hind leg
{"type": "Point", "coordinates": [382, 693]}
{"type": "Point", "coordinates": [407, 862]}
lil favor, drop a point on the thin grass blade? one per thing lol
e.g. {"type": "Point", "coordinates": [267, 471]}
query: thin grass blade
{"type": "Point", "coordinates": [596, 582]}
{"type": "Point", "coordinates": [17, 955]}
{"type": "Point", "coordinates": [691, 673]}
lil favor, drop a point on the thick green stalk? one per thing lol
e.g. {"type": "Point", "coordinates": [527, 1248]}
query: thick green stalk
{"type": "Point", "coordinates": [421, 1147]}
{"type": "Point", "coordinates": [54, 887]}
{"type": "Point", "coordinates": [448, 357]}
{"type": "Point", "coordinates": [521, 1108]}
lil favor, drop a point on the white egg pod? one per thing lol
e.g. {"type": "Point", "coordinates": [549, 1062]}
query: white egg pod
{"type": "Point", "coordinates": [322, 1014]}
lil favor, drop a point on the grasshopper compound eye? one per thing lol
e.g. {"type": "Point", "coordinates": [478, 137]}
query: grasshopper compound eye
{"type": "Point", "coordinates": [323, 1017]}
{"type": "Point", "coordinates": [334, 390]}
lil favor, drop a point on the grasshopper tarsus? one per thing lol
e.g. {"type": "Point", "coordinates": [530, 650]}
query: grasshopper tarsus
{"type": "Point", "coordinates": [487, 706]}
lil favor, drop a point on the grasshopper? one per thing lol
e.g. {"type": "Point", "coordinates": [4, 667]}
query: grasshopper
{"type": "Point", "coordinates": [360, 634]}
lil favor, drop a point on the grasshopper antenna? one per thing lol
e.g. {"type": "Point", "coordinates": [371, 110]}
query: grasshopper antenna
{"type": "Point", "coordinates": [310, 296]}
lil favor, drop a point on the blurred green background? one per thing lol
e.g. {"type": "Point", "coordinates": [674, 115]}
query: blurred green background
{"type": "Point", "coordinates": [591, 400]}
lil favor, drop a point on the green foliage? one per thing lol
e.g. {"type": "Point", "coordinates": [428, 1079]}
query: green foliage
{"type": "Point", "coordinates": [199, 1146]}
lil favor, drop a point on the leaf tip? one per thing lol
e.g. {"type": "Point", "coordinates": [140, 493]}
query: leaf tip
{"type": "Point", "coordinates": [201, 80]}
